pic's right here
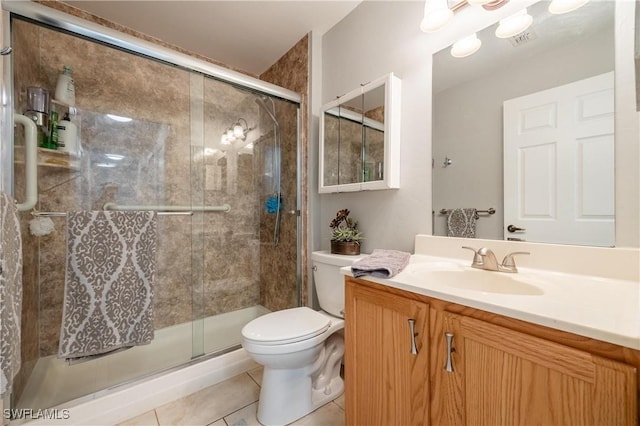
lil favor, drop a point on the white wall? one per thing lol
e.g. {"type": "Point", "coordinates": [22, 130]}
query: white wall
{"type": "Point", "coordinates": [375, 39]}
{"type": "Point", "coordinates": [383, 36]}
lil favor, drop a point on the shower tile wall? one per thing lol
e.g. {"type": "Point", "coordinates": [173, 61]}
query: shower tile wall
{"type": "Point", "coordinates": [277, 271]}
{"type": "Point", "coordinates": [30, 299]}
{"type": "Point", "coordinates": [162, 169]}
{"type": "Point", "coordinates": [231, 241]}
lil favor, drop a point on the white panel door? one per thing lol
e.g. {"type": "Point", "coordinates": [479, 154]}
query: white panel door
{"type": "Point", "coordinates": [559, 164]}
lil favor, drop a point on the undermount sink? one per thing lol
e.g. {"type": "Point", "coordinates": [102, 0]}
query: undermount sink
{"type": "Point", "coordinates": [466, 278]}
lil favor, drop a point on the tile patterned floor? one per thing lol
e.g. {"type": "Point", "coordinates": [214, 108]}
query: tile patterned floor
{"type": "Point", "coordinates": [233, 402]}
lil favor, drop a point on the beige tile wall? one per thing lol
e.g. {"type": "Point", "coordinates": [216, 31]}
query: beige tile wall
{"type": "Point", "coordinates": [277, 271]}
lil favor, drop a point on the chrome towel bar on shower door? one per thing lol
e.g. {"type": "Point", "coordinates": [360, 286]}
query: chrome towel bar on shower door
{"type": "Point", "coordinates": [162, 210]}
{"type": "Point", "coordinates": [170, 209]}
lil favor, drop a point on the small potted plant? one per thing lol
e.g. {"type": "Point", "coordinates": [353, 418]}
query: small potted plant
{"type": "Point", "coordinates": [346, 237]}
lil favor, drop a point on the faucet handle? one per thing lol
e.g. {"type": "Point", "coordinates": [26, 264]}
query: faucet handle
{"type": "Point", "coordinates": [509, 262]}
{"type": "Point", "coordinates": [477, 258]}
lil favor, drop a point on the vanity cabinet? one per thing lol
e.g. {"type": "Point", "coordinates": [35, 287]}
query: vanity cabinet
{"type": "Point", "coordinates": [503, 371]}
{"type": "Point", "coordinates": [387, 358]}
{"type": "Point", "coordinates": [500, 376]}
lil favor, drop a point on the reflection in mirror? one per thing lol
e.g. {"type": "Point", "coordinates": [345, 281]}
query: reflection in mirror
{"type": "Point", "coordinates": [332, 145]}
{"type": "Point", "coordinates": [470, 121]}
{"type": "Point", "coordinates": [373, 134]}
{"type": "Point", "coordinates": [354, 140]}
{"type": "Point", "coordinates": [350, 130]}
{"type": "Point", "coordinates": [360, 138]}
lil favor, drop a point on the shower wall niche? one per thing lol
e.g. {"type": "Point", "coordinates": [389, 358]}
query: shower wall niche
{"type": "Point", "coordinates": [150, 134]}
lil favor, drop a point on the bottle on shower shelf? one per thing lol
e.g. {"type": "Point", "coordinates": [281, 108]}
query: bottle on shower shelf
{"type": "Point", "coordinates": [66, 87]}
{"type": "Point", "coordinates": [67, 135]}
{"type": "Point", "coordinates": [52, 140]}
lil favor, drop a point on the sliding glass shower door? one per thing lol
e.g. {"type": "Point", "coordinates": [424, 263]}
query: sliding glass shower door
{"type": "Point", "coordinates": [151, 137]}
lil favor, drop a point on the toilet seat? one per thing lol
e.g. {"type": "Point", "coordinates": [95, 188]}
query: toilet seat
{"type": "Point", "coordinates": [286, 326]}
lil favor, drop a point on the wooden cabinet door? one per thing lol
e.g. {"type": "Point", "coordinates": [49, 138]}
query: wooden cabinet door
{"type": "Point", "coordinates": [386, 384]}
{"type": "Point", "coordinates": [503, 377]}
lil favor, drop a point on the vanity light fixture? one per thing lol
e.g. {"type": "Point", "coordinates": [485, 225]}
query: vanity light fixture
{"type": "Point", "coordinates": [466, 46]}
{"type": "Point", "coordinates": [236, 132]}
{"type": "Point", "coordinates": [436, 15]}
{"type": "Point", "coordinates": [514, 24]}
{"type": "Point", "coordinates": [478, 2]}
{"type": "Point", "coordinates": [437, 12]}
{"type": "Point", "coordinates": [563, 6]}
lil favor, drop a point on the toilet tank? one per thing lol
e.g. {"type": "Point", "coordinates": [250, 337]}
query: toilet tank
{"type": "Point", "coordinates": [329, 282]}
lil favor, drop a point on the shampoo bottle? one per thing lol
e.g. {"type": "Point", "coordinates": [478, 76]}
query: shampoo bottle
{"type": "Point", "coordinates": [66, 88]}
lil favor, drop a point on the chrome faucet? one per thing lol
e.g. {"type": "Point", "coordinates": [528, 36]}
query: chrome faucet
{"type": "Point", "coordinates": [484, 258]}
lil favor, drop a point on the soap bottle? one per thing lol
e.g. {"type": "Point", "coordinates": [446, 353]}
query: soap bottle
{"type": "Point", "coordinates": [66, 88]}
{"type": "Point", "coordinates": [67, 135]}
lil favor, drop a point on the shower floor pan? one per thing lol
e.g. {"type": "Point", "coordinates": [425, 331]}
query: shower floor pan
{"type": "Point", "coordinates": [54, 382]}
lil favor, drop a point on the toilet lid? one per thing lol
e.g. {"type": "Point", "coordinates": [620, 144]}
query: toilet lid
{"type": "Point", "coordinates": [286, 326]}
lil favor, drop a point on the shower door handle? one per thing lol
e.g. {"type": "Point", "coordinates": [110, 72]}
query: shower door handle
{"type": "Point", "coordinates": [30, 162]}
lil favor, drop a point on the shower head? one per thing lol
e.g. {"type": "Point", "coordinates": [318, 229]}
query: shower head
{"type": "Point", "coordinates": [261, 101]}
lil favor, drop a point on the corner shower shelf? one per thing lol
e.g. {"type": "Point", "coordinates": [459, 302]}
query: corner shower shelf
{"type": "Point", "coordinates": [50, 158]}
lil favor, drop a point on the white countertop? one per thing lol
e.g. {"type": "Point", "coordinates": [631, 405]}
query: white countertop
{"type": "Point", "coordinates": [600, 308]}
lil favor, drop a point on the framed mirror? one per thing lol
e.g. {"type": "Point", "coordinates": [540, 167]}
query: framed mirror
{"type": "Point", "coordinates": [360, 138]}
{"type": "Point", "coordinates": [557, 176]}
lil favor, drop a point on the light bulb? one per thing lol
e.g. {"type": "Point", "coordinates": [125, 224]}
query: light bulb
{"type": "Point", "coordinates": [466, 46]}
{"type": "Point", "coordinates": [238, 131]}
{"type": "Point", "coordinates": [514, 24]}
{"type": "Point", "coordinates": [563, 6]}
{"type": "Point", "coordinates": [436, 15]}
{"type": "Point", "coordinates": [119, 118]}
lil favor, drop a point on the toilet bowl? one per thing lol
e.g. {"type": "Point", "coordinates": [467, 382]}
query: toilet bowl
{"type": "Point", "coordinates": [301, 349]}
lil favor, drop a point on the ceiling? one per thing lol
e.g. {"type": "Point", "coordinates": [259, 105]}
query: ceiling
{"type": "Point", "coordinates": [245, 35]}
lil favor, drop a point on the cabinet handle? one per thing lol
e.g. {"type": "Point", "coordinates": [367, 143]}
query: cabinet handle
{"type": "Point", "coordinates": [412, 328]}
{"type": "Point", "coordinates": [450, 349]}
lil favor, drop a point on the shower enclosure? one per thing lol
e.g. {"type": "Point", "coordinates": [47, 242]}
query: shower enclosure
{"type": "Point", "coordinates": [156, 134]}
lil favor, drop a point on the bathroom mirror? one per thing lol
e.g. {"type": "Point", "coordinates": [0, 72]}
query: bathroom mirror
{"type": "Point", "coordinates": [359, 138]}
{"type": "Point", "coordinates": [472, 162]}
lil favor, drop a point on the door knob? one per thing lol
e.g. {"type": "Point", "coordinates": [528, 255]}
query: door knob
{"type": "Point", "coordinates": [513, 228]}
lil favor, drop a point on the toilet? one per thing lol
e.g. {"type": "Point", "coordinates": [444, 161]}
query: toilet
{"type": "Point", "coordinates": [301, 349]}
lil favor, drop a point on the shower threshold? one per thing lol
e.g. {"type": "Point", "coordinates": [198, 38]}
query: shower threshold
{"type": "Point", "coordinates": [54, 383]}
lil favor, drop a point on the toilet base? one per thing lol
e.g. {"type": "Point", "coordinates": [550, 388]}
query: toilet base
{"type": "Point", "coordinates": [281, 405]}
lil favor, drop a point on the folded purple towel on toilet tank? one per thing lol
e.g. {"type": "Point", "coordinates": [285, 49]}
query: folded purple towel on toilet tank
{"type": "Point", "coordinates": [381, 263]}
